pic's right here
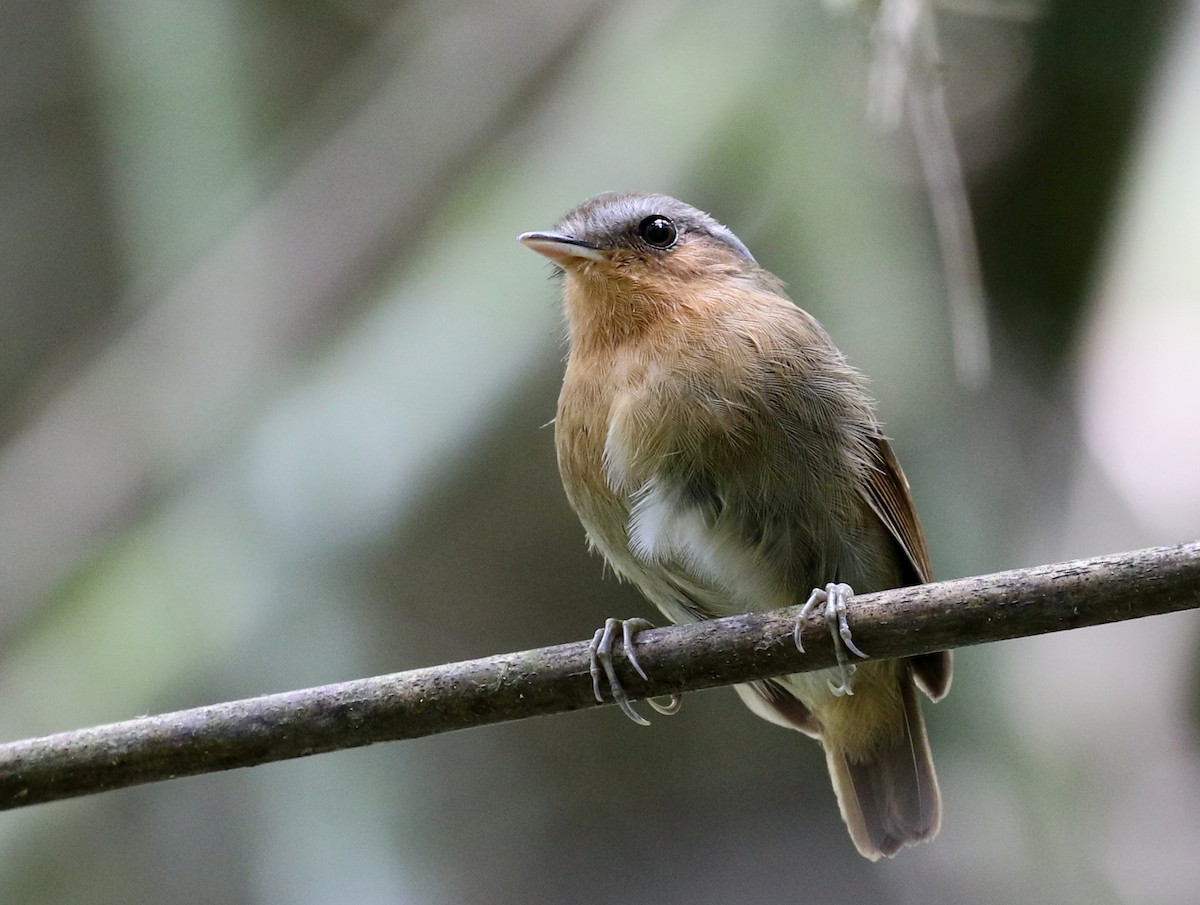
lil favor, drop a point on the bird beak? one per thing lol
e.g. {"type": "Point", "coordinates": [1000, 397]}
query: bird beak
{"type": "Point", "coordinates": [560, 248]}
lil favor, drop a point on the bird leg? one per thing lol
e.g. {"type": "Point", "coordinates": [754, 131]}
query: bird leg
{"type": "Point", "coordinates": [833, 599]}
{"type": "Point", "coordinates": [602, 667]}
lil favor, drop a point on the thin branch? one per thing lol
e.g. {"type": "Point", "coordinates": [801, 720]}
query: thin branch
{"type": "Point", "coordinates": [513, 686]}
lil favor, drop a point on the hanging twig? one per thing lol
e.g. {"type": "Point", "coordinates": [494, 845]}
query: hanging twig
{"type": "Point", "coordinates": [906, 77]}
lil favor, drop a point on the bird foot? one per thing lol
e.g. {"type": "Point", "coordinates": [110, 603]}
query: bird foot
{"type": "Point", "coordinates": [602, 667]}
{"type": "Point", "coordinates": [833, 600]}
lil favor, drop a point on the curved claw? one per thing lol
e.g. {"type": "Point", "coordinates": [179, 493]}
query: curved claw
{"type": "Point", "coordinates": [833, 599]}
{"type": "Point", "coordinates": [602, 669]}
{"type": "Point", "coordinates": [629, 629]}
{"type": "Point", "coordinates": [674, 702]}
{"type": "Point", "coordinates": [846, 684]}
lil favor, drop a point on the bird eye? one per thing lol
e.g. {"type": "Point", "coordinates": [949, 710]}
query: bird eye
{"type": "Point", "coordinates": [658, 231]}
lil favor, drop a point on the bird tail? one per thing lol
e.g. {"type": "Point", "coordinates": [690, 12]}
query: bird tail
{"type": "Point", "coordinates": [888, 796]}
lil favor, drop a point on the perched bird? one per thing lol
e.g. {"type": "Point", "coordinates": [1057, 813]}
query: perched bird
{"type": "Point", "coordinates": [723, 456]}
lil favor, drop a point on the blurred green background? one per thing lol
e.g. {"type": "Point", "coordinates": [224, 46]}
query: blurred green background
{"type": "Point", "coordinates": [274, 386]}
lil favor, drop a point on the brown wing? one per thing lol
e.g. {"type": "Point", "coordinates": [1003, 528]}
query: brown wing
{"type": "Point", "coordinates": [890, 498]}
{"type": "Point", "coordinates": [888, 494]}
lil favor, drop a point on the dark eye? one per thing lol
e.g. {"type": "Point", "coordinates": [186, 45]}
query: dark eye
{"type": "Point", "coordinates": [658, 231]}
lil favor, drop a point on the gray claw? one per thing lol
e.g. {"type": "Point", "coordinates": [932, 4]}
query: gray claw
{"type": "Point", "coordinates": [602, 669]}
{"type": "Point", "coordinates": [833, 601]}
{"type": "Point", "coordinates": [674, 702]}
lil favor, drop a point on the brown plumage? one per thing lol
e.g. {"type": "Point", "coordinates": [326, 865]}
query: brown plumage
{"type": "Point", "coordinates": [723, 456]}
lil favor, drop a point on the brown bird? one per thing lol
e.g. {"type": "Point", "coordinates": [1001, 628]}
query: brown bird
{"type": "Point", "coordinates": [723, 456]}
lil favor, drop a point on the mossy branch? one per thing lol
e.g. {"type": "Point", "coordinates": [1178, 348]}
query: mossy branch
{"type": "Point", "coordinates": [906, 621]}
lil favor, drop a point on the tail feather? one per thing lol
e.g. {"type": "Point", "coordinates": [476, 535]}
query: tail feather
{"type": "Point", "coordinates": [889, 798]}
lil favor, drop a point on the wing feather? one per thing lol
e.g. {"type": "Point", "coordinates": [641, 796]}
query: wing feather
{"type": "Point", "coordinates": [889, 496]}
